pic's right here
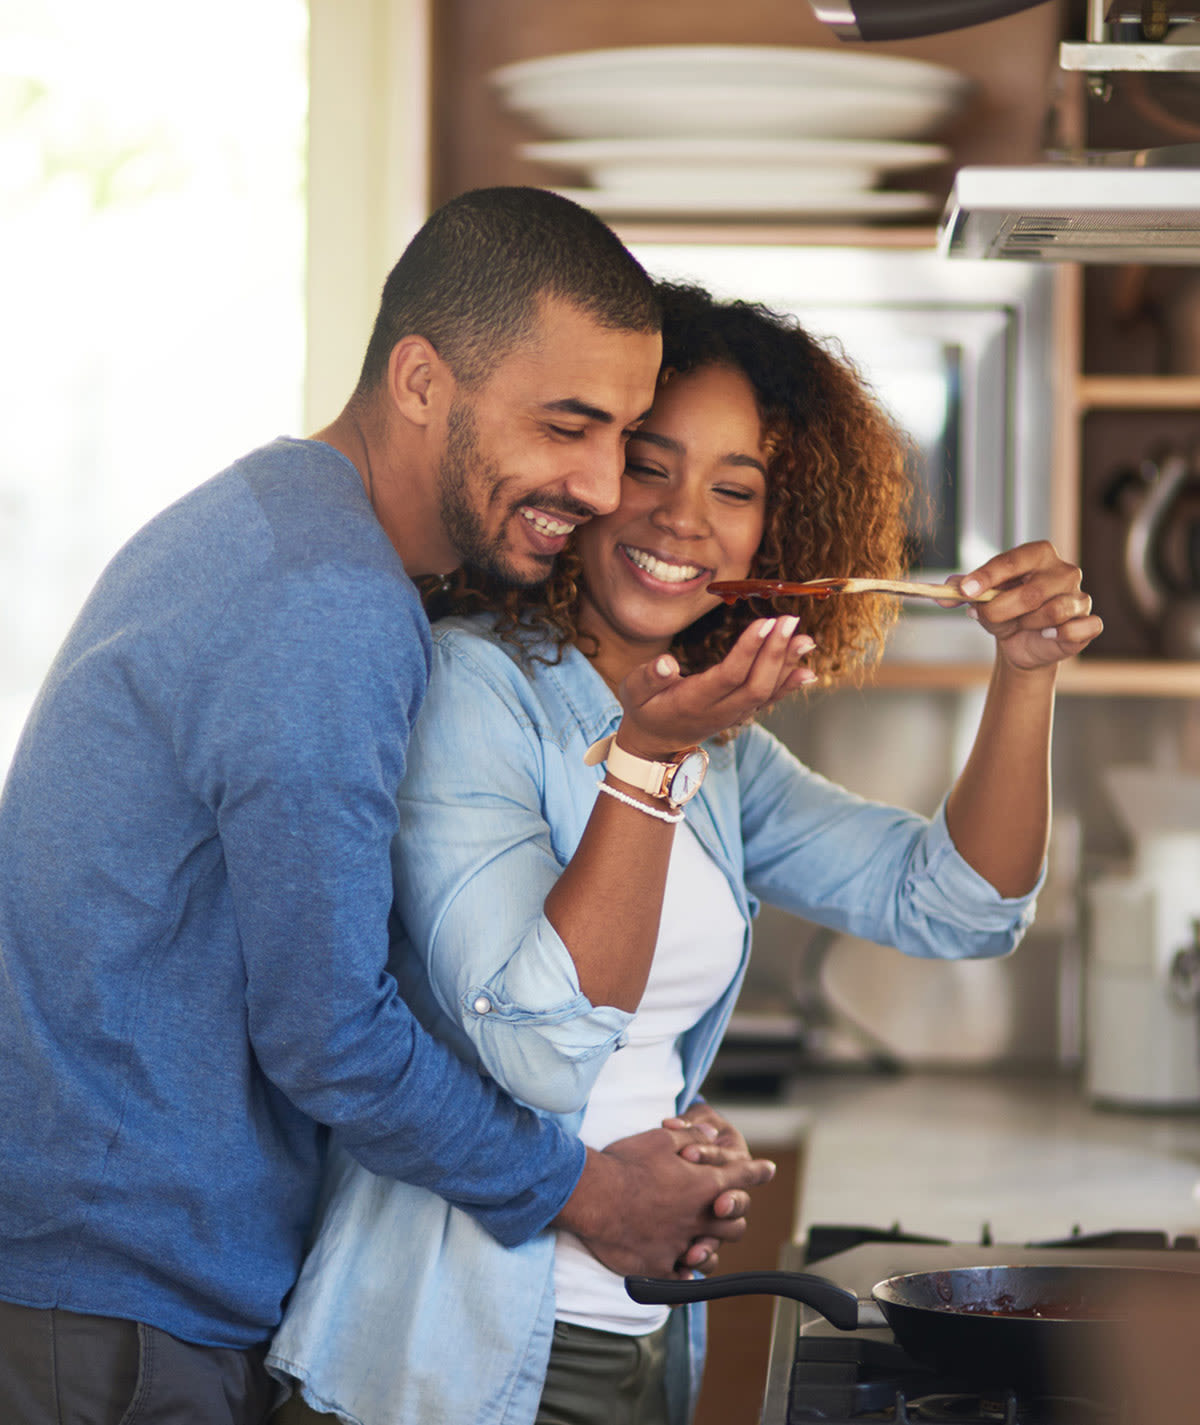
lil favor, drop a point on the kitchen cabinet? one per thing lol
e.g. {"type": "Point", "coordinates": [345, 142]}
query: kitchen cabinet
{"type": "Point", "coordinates": [740, 1330]}
{"type": "Point", "coordinates": [1132, 362]}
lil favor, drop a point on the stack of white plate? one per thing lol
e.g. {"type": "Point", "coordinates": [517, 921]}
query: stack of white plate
{"type": "Point", "coordinates": [735, 130]}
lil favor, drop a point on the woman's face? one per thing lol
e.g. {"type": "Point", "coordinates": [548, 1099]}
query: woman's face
{"type": "Point", "coordinates": [693, 504]}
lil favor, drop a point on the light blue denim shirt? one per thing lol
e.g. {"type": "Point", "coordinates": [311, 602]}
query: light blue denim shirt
{"type": "Point", "coordinates": [406, 1312]}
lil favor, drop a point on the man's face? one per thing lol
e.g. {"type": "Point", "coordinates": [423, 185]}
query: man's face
{"type": "Point", "coordinates": [539, 447]}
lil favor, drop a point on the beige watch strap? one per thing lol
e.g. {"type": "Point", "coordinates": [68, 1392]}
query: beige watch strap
{"type": "Point", "coordinates": [639, 772]}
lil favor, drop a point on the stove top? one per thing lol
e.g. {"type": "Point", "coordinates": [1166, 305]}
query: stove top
{"type": "Point", "coordinates": [863, 1377]}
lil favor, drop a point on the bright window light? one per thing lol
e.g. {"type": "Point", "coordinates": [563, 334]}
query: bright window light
{"type": "Point", "coordinates": [152, 171]}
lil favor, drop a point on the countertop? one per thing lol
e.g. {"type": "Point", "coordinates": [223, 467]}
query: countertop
{"type": "Point", "coordinates": [944, 1153]}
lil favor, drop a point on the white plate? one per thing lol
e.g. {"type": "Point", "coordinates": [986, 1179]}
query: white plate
{"type": "Point", "coordinates": [792, 164]}
{"type": "Point", "coordinates": [585, 111]}
{"type": "Point", "coordinates": [770, 203]}
{"type": "Point", "coordinates": [730, 65]}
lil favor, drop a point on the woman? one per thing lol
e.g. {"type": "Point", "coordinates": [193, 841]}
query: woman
{"type": "Point", "coordinates": [575, 896]}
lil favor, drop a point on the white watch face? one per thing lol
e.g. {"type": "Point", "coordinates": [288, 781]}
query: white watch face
{"type": "Point", "coordinates": [686, 779]}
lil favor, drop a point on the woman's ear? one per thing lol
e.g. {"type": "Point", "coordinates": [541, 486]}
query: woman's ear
{"type": "Point", "coordinates": [419, 381]}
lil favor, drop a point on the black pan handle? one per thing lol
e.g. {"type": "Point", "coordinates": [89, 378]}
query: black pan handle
{"type": "Point", "coordinates": [838, 1307]}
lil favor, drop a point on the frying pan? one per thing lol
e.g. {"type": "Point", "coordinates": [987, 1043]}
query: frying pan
{"type": "Point", "coordinates": [1038, 1329]}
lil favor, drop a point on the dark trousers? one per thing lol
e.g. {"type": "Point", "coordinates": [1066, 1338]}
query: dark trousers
{"type": "Point", "coordinates": [64, 1368]}
{"type": "Point", "coordinates": [600, 1378]}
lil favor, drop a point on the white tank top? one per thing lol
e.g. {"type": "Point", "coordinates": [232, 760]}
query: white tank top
{"type": "Point", "coordinates": [699, 946]}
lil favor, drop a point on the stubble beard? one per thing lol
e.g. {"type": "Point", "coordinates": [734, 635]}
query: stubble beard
{"type": "Point", "coordinates": [465, 472]}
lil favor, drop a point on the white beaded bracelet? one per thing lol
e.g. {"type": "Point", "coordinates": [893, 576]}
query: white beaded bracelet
{"type": "Point", "coordinates": [673, 817]}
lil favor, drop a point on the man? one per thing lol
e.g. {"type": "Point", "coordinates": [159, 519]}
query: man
{"type": "Point", "coordinates": [195, 849]}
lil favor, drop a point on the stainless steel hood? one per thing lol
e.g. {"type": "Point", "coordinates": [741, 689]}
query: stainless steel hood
{"type": "Point", "coordinates": [1142, 206]}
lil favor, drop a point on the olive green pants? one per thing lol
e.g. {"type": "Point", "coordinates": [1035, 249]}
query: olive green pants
{"type": "Point", "coordinates": [600, 1378]}
{"type": "Point", "coordinates": [594, 1378]}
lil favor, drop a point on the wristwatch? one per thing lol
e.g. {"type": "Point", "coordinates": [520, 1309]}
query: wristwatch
{"type": "Point", "coordinates": [677, 779]}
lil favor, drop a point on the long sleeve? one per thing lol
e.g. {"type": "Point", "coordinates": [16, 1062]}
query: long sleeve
{"type": "Point", "coordinates": [481, 856]}
{"type": "Point", "coordinates": [294, 730]}
{"type": "Point", "coordinates": [872, 870]}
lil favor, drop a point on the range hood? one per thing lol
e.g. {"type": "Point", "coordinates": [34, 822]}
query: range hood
{"type": "Point", "coordinates": [1140, 206]}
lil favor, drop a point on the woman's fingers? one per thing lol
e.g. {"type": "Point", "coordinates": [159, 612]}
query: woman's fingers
{"type": "Point", "coordinates": [664, 710]}
{"type": "Point", "coordinates": [754, 669]}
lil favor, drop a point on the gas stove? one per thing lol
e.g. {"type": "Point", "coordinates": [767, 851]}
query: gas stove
{"type": "Point", "coordinates": [862, 1377]}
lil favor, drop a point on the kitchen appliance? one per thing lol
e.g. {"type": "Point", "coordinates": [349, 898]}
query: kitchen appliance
{"type": "Point", "coordinates": [818, 1373]}
{"type": "Point", "coordinates": [1140, 205]}
{"type": "Point", "coordinates": [959, 352]}
{"type": "Point", "coordinates": [1037, 1330]}
{"type": "Point", "coordinates": [1161, 502]}
{"type": "Point", "coordinates": [1141, 1019]}
{"type": "Point", "coordinates": [908, 19]}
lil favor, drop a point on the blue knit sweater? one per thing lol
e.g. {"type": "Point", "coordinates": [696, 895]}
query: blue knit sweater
{"type": "Point", "coordinates": [195, 884]}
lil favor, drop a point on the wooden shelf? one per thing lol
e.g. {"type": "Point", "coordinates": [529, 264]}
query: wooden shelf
{"type": "Point", "coordinates": [776, 234]}
{"type": "Point", "coordinates": [1133, 678]}
{"type": "Point", "coordinates": [1096, 677]}
{"type": "Point", "coordinates": [1138, 393]}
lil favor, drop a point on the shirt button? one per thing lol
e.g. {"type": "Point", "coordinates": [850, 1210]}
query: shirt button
{"type": "Point", "coordinates": [482, 1005]}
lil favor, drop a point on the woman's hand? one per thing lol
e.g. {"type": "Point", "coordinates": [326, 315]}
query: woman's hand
{"type": "Point", "coordinates": [1040, 616]}
{"type": "Point", "coordinates": [724, 1143]}
{"type": "Point", "coordinates": [664, 710]}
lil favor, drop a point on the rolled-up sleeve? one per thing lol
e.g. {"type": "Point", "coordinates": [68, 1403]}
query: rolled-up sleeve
{"type": "Point", "coordinates": [479, 859]}
{"type": "Point", "coordinates": [862, 867]}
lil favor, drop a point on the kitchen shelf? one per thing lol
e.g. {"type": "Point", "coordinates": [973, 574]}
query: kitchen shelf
{"type": "Point", "coordinates": [778, 234]}
{"type": "Point", "coordinates": [1096, 677]}
{"type": "Point", "coordinates": [1138, 393]}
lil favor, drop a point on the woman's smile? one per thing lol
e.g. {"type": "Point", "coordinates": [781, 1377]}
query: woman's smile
{"type": "Point", "coordinates": [659, 570]}
{"type": "Point", "coordinates": [693, 506]}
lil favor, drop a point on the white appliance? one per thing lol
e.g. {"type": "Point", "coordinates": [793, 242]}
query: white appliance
{"type": "Point", "coordinates": [1141, 1018]}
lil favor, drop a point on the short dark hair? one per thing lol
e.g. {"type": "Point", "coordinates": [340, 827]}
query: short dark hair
{"type": "Point", "coordinates": [472, 278]}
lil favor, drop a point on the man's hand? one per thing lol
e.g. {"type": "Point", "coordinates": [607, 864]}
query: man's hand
{"type": "Point", "coordinates": [639, 1205]}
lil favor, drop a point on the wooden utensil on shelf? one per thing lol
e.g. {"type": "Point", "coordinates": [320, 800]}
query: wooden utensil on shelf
{"type": "Point", "coordinates": [733, 589]}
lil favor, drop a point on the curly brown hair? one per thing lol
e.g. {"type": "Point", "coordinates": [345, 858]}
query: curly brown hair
{"type": "Point", "coordinates": [839, 494]}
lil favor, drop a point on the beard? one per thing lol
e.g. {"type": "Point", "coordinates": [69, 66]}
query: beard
{"type": "Point", "coordinates": [464, 476]}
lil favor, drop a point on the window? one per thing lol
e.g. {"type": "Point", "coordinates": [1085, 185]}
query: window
{"type": "Point", "coordinates": [152, 186]}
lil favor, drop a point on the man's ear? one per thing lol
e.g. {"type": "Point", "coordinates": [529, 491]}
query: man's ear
{"type": "Point", "coordinates": [420, 384]}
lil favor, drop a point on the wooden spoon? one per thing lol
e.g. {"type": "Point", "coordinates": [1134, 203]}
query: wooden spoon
{"type": "Point", "coordinates": [733, 589]}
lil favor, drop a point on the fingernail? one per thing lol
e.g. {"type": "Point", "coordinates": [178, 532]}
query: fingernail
{"type": "Point", "coordinates": [663, 666]}
{"type": "Point", "coordinates": [971, 586]}
{"type": "Point", "coordinates": [1049, 633]}
{"type": "Point", "coordinates": [766, 626]}
{"type": "Point", "coordinates": [804, 644]}
{"type": "Point", "coordinates": [788, 625]}
{"type": "Point", "coordinates": [807, 675]}
{"type": "Point", "coordinates": [708, 1131]}
{"type": "Point", "coordinates": [972, 613]}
